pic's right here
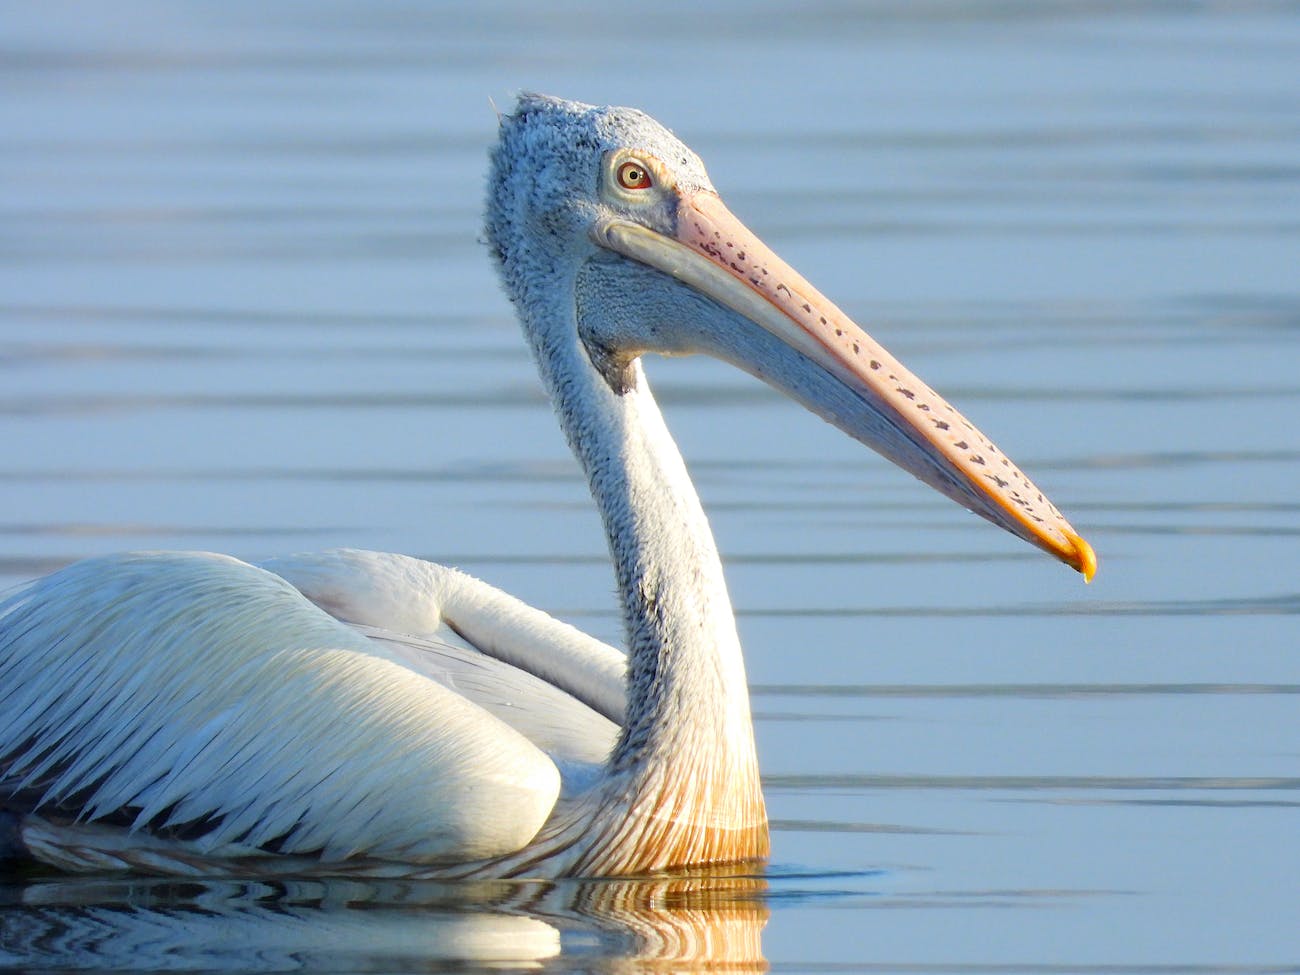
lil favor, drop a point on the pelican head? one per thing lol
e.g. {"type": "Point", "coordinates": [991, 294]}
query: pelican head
{"type": "Point", "coordinates": [607, 208]}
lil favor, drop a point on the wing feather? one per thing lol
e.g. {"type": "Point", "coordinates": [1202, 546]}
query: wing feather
{"type": "Point", "coordinates": [410, 596]}
{"type": "Point", "coordinates": [577, 738]}
{"type": "Point", "coordinates": [560, 688]}
{"type": "Point", "coordinates": [170, 691]}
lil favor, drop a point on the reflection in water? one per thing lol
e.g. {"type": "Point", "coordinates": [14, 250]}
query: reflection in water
{"type": "Point", "coordinates": [692, 921]}
{"type": "Point", "coordinates": [681, 922]}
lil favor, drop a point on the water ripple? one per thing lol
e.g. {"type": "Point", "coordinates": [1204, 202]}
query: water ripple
{"type": "Point", "coordinates": [1287, 604]}
{"type": "Point", "coordinates": [1035, 783]}
{"type": "Point", "coordinates": [1020, 691]}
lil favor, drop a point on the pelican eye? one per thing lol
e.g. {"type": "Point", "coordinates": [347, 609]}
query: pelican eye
{"type": "Point", "coordinates": [633, 175]}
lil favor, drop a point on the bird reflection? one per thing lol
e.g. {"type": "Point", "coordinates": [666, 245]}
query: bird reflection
{"type": "Point", "coordinates": [681, 922]}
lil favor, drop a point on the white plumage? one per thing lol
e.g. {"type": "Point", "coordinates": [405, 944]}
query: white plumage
{"type": "Point", "coordinates": [162, 709]}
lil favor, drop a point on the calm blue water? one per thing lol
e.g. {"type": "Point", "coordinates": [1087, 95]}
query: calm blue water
{"type": "Point", "coordinates": [243, 306]}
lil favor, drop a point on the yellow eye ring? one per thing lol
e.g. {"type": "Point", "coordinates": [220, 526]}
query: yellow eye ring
{"type": "Point", "coordinates": [633, 175]}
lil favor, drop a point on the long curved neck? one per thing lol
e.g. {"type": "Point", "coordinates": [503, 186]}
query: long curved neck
{"type": "Point", "coordinates": [684, 766]}
{"type": "Point", "coordinates": [686, 673]}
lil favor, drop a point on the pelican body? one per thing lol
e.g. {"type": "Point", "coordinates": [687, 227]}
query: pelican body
{"type": "Point", "coordinates": [353, 712]}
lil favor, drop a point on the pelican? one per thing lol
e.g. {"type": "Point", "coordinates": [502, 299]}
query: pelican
{"type": "Point", "coordinates": [353, 712]}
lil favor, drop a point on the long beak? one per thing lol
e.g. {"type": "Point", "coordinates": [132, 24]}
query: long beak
{"type": "Point", "coordinates": [717, 255]}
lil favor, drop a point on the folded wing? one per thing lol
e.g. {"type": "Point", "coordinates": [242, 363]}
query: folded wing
{"type": "Point", "coordinates": [195, 697]}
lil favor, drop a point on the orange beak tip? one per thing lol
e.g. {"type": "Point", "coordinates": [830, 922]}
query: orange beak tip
{"type": "Point", "coordinates": [1085, 559]}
